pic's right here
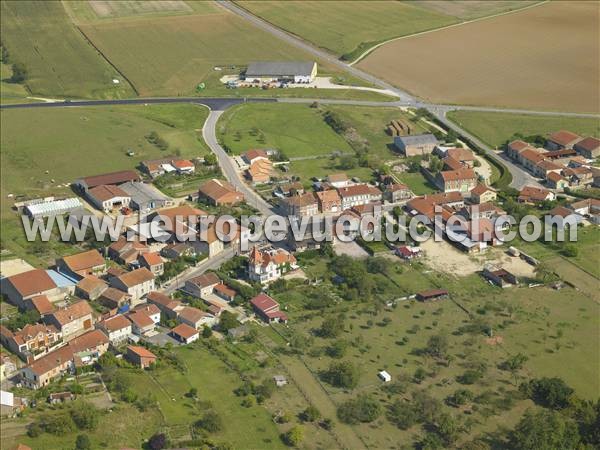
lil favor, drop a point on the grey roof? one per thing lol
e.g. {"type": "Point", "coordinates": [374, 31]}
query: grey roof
{"type": "Point", "coordinates": [142, 193]}
{"type": "Point", "coordinates": [280, 68]}
{"type": "Point", "coordinates": [416, 139]}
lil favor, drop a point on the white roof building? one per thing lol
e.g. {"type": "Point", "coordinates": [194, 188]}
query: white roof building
{"type": "Point", "coordinates": [384, 376]}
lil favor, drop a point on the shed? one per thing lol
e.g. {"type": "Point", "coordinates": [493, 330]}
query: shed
{"type": "Point", "coordinates": [280, 380]}
{"type": "Point", "coordinates": [384, 376]}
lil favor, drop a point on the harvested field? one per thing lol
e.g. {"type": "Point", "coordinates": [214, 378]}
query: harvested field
{"type": "Point", "coordinates": [473, 9]}
{"type": "Point", "coordinates": [523, 60]}
{"type": "Point", "coordinates": [171, 55]}
{"type": "Point", "coordinates": [108, 8]}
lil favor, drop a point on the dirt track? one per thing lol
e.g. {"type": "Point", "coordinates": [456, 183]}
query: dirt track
{"type": "Point", "coordinates": [545, 57]}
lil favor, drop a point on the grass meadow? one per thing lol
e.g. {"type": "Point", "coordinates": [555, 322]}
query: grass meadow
{"type": "Point", "coordinates": [328, 24]}
{"type": "Point", "coordinates": [43, 151]}
{"type": "Point", "coordinates": [60, 62]}
{"type": "Point", "coordinates": [497, 128]}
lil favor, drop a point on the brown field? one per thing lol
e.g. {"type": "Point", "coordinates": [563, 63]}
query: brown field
{"type": "Point", "coordinates": [108, 8]}
{"type": "Point", "coordinates": [545, 57]}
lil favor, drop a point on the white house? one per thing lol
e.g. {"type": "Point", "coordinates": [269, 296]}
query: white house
{"type": "Point", "coordinates": [117, 328]}
{"type": "Point", "coordinates": [268, 264]}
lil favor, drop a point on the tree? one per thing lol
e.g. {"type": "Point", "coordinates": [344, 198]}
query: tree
{"type": "Point", "coordinates": [347, 162]}
{"type": "Point", "coordinates": [210, 159]}
{"type": "Point", "coordinates": [459, 397]}
{"type": "Point", "coordinates": [378, 265]}
{"type": "Point", "coordinates": [435, 164]}
{"type": "Point", "coordinates": [206, 331]}
{"type": "Point", "coordinates": [470, 376]}
{"type": "Point", "coordinates": [447, 428]}
{"type": "Point", "coordinates": [419, 375]}
{"type": "Point", "coordinates": [570, 250]}
{"type": "Point", "coordinates": [363, 409]}
{"type": "Point", "coordinates": [337, 349]}
{"type": "Point", "coordinates": [83, 442]}
{"type": "Point", "coordinates": [19, 73]}
{"type": "Point", "coordinates": [157, 442]}
{"type": "Point", "coordinates": [403, 414]}
{"type": "Point", "coordinates": [437, 346]}
{"type": "Point", "coordinates": [514, 364]}
{"type": "Point", "coordinates": [85, 416]}
{"type": "Point", "coordinates": [211, 422]}
{"type": "Point", "coordinates": [342, 374]}
{"type": "Point", "coordinates": [545, 430]}
{"type": "Point", "coordinates": [544, 273]}
{"type": "Point", "coordinates": [310, 414]}
{"type": "Point", "coordinates": [228, 320]}
{"type": "Point", "coordinates": [332, 326]}
{"type": "Point", "coordinates": [294, 436]}
{"type": "Point", "coordinates": [551, 393]}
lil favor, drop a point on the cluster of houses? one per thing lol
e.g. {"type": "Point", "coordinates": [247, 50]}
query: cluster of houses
{"type": "Point", "coordinates": [563, 163]}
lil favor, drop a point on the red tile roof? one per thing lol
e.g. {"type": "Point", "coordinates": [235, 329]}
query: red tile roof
{"type": "Point", "coordinates": [460, 174]}
{"type": "Point", "coordinates": [205, 280]}
{"type": "Point", "coordinates": [135, 277]}
{"type": "Point", "coordinates": [151, 258]}
{"type": "Point", "coordinates": [111, 178]}
{"type": "Point", "coordinates": [185, 331]}
{"type": "Point", "coordinates": [563, 137]}
{"type": "Point", "coordinates": [72, 312]}
{"type": "Point", "coordinates": [84, 261]}
{"type": "Point", "coordinates": [264, 302]}
{"type": "Point", "coordinates": [32, 282]}
{"type": "Point", "coordinates": [106, 192]}
{"type": "Point", "coordinates": [115, 323]}
{"type": "Point", "coordinates": [42, 304]}
{"type": "Point", "coordinates": [225, 290]}
{"type": "Point", "coordinates": [141, 351]}
{"type": "Point", "coordinates": [589, 143]}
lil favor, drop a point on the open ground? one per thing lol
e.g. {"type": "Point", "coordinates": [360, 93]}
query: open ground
{"type": "Point", "coordinates": [496, 128]}
{"type": "Point", "coordinates": [472, 64]}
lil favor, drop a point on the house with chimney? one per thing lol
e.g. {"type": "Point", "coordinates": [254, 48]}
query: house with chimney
{"type": "Point", "coordinates": [136, 283]}
{"type": "Point", "coordinates": [117, 328]}
{"type": "Point", "coordinates": [153, 262]}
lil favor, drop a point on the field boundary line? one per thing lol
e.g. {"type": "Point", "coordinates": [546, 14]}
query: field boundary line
{"type": "Point", "coordinates": [467, 22]}
{"type": "Point", "coordinates": [89, 41]}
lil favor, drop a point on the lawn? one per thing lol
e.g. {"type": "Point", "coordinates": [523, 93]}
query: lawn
{"type": "Point", "coordinates": [497, 128]}
{"type": "Point", "coordinates": [417, 183]}
{"type": "Point", "coordinates": [295, 130]}
{"type": "Point", "coordinates": [60, 62]}
{"type": "Point", "coordinates": [326, 24]}
{"type": "Point", "coordinates": [43, 151]}
{"type": "Point", "coordinates": [11, 92]}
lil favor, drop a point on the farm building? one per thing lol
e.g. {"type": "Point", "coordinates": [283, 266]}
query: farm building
{"type": "Point", "coordinates": [219, 192]}
{"type": "Point", "coordinates": [500, 277]}
{"type": "Point", "coordinates": [415, 145]}
{"type": "Point", "coordinates": [140, 356]}
{"type": "Point", "coordinates": [588, 147]}
{"type": "Point", "coordinates": [268, 71]}
{"type": "Point", "coordinates": [562, 140]}
{"type": "Point", "coordinates": [40, 208]}
{"type": "Point", "coordinates": [108, 197]}
{"type": "Point", "coordinates": [384, 376]}
{"type": "Point", "coordinates": [113, 178]}
{"type": "Point", "coordinates": [431, 295]}
{"type": "Point", "coordinates": [144, 197]}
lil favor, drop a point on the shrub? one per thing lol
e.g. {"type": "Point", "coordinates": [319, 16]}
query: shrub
{"type": "Point", "coordinates": [363, 409]}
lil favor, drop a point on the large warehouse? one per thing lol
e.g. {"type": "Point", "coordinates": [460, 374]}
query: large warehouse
{"type": "Point", "coordinates": [296, 71]}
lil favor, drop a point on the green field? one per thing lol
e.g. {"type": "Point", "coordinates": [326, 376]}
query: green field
{"type": "Point", "coordinates": [496, 128]}
{"type": "Point", "coordinates": [327, 24]}
{"type": "Point", "coordinates": [11, 92]}
{"type": "Point", "coordinates": [525, 320]}
{"type": "Point", "coordinates": [417, 183]}
{"type": "Point", "coordinates": [59, 60]}
{"type": "Point", "coordinates": [295, 130]}
{"type": "Point", "coordinates": [43, 151]}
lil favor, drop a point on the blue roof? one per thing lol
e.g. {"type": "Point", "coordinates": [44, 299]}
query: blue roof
{"type": "Point", "coordinates": [60, 279]}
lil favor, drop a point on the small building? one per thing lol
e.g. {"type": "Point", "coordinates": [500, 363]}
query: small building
{"type": "Point", "coordinates": [260, 171]}
{"type": "Point", "coordinates": [338, 180]}
{"type": "Point", "coordinates": [280, 380]}
{"type": "Point", "coordinates": [253, 155]}
{"type": "Point", "coordinates": [219, 192]}
{"type": "Point", "coordinates": [136, 283]}
{"type": "Point", "coordinates": [384, 376]}
{"type": "Point", "coordinates": [108, 198]}
{"type": "Point", "coordinates": [562, 140]}
{"type": "Point", "coordinates": [41, 304]}
{"type": "Point", "coordinates": [329, 201]}
{"type": "Point", "coordinates": [185, 333]}
{"type": "Point", "coordinates": [153, 262]}
{"type": "Point", "coordinates": [396, 192]}
{"type": "Point", "coordinates": [82, 264]}
{"type": "Point", "coordinates": [195, 317]}
{"type": "Point", "coordinates": [556, 181]}
{"type": "Point", "coordinates": [431, 295]}
{"type": "Point", "coordinates": [164, 303]}
{"type": "Point", "coordinates": [483, 194]}
{"type": "Point", "coordinates": [177, 250]}
{"type": "Point", "coordinates": [408, 253]}
{"type": "Point", "coordinates": [304, 205]}
{"type": "Point", "coordinates": [140, 356]}
{"type": "Point", "coordinates": [73, 320]}
{"type": "Point", "coordinates": [113, 298]}
{"type": "Point", "coordinates": [268, 309]}
{"type": "Point", "coordinates": [292, 71]}
{"type": "Point", "coordinates": [141, 323]}
{"type": "Point", "coordinates": [90, 287]}
{"type": "Point", "coordinates": [60, 397]}
{"type": "Point", "coordinates": [126, 251]}
{"type": "Point", "coordinates": [416, 145]}
{"type": "Point", "coordinates": [117, 328]}
{"type": "Point", "coordinates": [464, 156]}
{"type": "Point", "coordinates": [588, 147]}
{"type": "Point", "coordinates": [225, 292]}
{"type": "Point", "coordinates": [500, 277]}
{"type": "Point", "coordinates": [532, 195]}
{"type": "Point", "coordinates": [461, 180]}
{"type": "Point", "coordinates": [202, 285]}
{"type": "Point", "coordinates": [144, 197]}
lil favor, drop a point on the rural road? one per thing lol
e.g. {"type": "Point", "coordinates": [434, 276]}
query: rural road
{"type": "Point", "coordinates": [209, 134]}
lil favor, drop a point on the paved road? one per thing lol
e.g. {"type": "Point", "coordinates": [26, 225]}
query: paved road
{"type": "Point", "coordinates": [228, 167]}
{"type": "Point", "coordinates": [208, 264]}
